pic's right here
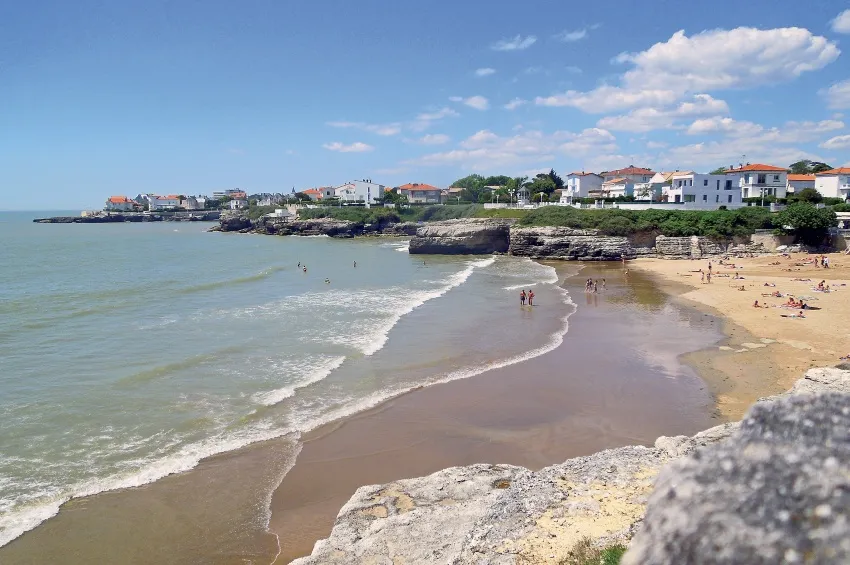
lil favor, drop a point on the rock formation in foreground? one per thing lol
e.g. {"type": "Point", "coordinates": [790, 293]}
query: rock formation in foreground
{"type": "Point", "coordinates": [462, 237]}
{"type": "Point", "coordinates": [774, 488]}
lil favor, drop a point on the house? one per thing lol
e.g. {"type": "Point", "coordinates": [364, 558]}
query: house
{"type": "Point", "coordinates": [360, 191]}
{"type": "Point", "coordinates": [759, 180]}
{"type": "Point", "coordinates": [418, 193]}
{"type": "Point", "coordinates": [834, 183]}
{"type": "Point", "coordinates": [120, 204]}
{"type": "Point", "coordinates": [579, 185]}
{"type": "Point", "coordinates": [238, 203]}
{"type": "Point", "coordinates": [231, 192]}
{"type": "Point", "coordinates": [654, 188]}
{"type": "Point", "coordinates": [796, 183]}
{"type": "Point", "coordinates": [614, 188]}
{"type": "Point", "coordinates": [631, 173]}
{"type": "Point", "coordinates": [704, 189]}
{"type": "Point", "coordinates": [314, 193]}
{"type": "Point", "coordinates": [192, 203]}
{"type": "Point", "coordinates": [164, 202]}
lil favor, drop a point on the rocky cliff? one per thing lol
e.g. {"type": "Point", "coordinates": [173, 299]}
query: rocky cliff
{"type": "Point", "coordinates": [774, 488]}
{"type": "Point", "coordinates": [462, 237]}
{"type": "Point", "coordinates": [573, 244]}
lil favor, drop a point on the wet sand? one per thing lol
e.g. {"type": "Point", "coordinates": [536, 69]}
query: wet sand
{"type": "Point", "coordinates": [616, 380]}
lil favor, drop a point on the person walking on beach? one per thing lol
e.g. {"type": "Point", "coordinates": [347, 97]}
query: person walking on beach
{"type": "Point", "coordinates": [595, 287]}
{"type": "Point", "coordinates": [701, 276]}
{"type": "Point", "coordinates": [708, 277]}
{"type": "Point", "coordinates": [522, 298]}
{"type": "Point", "coordinates": [531, 298]}
{"type": "Point", "coordinates": [355, 264]}
{"type": "Point", "coordinates": [603, 285]}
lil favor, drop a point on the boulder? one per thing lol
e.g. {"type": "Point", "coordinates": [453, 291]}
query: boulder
{"type": "Point", "coordinates": [234, 221]}
{"type": "Point", "coordinates": [473, 236]}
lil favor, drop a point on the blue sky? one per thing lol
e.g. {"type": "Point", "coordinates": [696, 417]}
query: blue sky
{"type": "Point", "coordinates": [101, 98]}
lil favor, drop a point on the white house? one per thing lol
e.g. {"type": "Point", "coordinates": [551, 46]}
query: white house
{"type": "Point", "coordinates": [796, 183]}
{"type": "Point", "coordinates": [418, 193]}
{"type": "Point", "coordinates": [614, 188]}
{"type": "Point", "coordinates": [120, 204]}
{"type": "Point", "coordinates": [631, 173]}
{"type": "Point", "coordinates": [834, 183]}
{"type": "Point", "coordinates": [653, 189]}
{"type": "Point", "coordinates": [192, 203]}
{"type": "Point", "coordinates": [703, 189]}
{"type": "Point", "coordinates": [360, 190]}
{"type": "Point", "coordinates": [579, 185]}
{"type": "Point", "coordinates": [238, 203]}
{"type": "Point", "coordinates": [164, 202]}
{"type": "Point", "coordinates": [759, 180]}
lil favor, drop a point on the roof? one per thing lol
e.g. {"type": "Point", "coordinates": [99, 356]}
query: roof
{"type": "Point", "coordinates": [679, 174]}
{"type": "Point", "coordinates": [801, 177]}
{"type": "Point", "coordinates": [757, 167]}
{"type": "Point", "coordinates": [312, 191]}
{"type": "Point", "coordinates": [838, 171]}
{"type": "Point", "coordinates": [616, 181]}
{"type": "Point", "coordinates": [413, 187]}
{"type": "Point", "coordinates": [456, 189]}
{"type": "Point", "coordinates": [583, 174]}
{"type": "Point", "coordinates": [631, 170]}
{"type": "Point", "coordinates": [120, 200]}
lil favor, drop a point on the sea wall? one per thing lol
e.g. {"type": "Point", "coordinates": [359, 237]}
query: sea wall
{"type": "Point", "coordinates": [770, 489]}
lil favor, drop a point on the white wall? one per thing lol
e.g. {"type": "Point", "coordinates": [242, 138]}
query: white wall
{"type": "Point", "coordinates": [833, 186]}
{"type": "Point", "coordinates": [578, 186]}
{"type": "Point", "coordinates": [360, 190]}
{"type": "Point", "coordinates": [703, 189]}
{"type": "Point", "coordinates": [775, 183]}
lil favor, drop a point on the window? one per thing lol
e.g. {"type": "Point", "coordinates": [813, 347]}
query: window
{"type": "Point", "coordinates": [728, 185]}
{"type": "Point", "coordinates": [747, 178]}
{"type": "Point", "coordinates": [690, 198]}
{"type": "Point", "coordinates": [761, 179]}
{"type": "Point", "coordinates": [775, 178]}
{"type": "Point", "coordinates": [705, 197]}
{"type": "Point", "coordinates": [705, 182]}
{"type": "Point", "coordinates": [718, 184]}
{"type": "Point", "coordinates": [730, 199]}
{"type": "Point", "coordinates": [717, 198]}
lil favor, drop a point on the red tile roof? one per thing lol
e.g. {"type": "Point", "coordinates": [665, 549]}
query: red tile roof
{"type": "Point", "coordinates": [630, 170]}
{"type": "Point", "coordinates": [582, 174]}
{"type": "Point", "coordinates": [120, 200]}
{"type": "Point", "coordinates": [801, 177]}
{"type": "Point", "coordinates": [838, 171]}
{"type": "Point", "coordinates": [413, 187]}
{"type": "Point", "coordinates": [616, 181]}
{"type": "Point", "coordinates": [756, 167]}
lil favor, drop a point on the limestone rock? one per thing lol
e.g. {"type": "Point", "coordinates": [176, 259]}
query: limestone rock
{"type": "Point", "coordinates": [571, 244]}
{"type": "Point", "coordinates": [234, 221]}
{"type": "Point", "coordinates": [473, 236]}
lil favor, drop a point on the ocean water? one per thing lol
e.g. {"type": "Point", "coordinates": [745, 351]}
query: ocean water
{"type": "Point", "coordinates": [129, 352]}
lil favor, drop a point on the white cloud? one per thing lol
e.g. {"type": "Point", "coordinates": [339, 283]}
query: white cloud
{"type": "Point", "coordinates": [656, 145]}
{"type": "Point", "coordinates": [648, 119]}
{"type": "Point", "coordinates": [841, 23]}
{"type": "Point", "coordinates": [515, 103]}
{"type": "Point", "coordinates": [712, 60]}
{"type": "Point", "coordinates": [790, 132]}
{"type": "Point", "coordinates": [434, 139]}
{"type": "Point", "coordinates": [477, 102]}
{"type": "Point", "coordinates": [570, 36]}
{"type": "Point", "coordinates": [486, 150]}
{"type": "Point", "coordinates": [609, 98]}
{"type": "Point", "coordinates": [356, 147]}
{"type": "Point", "coordinates": [426, 119]}
{"type": "Point", "coordinates": [710, 155]}
{"type": "Point", "coordinates": [484, 72]}
{"type": "Point", "coordinates": [838, 95]}
{"type": "Point", "coordinates": [837, 142]}
{"type": "Point", "coordinates": [379, 129]}
{"type": "Point", "coordinates": [517, 43]}
{"type": "Point", "coordinates": [719, 124]}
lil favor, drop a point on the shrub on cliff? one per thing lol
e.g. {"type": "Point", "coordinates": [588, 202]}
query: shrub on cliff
{"type": "Point", "coordinates": [808, 224]}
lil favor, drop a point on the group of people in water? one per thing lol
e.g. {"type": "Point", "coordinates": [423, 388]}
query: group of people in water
{"type": "Point", "coordinates": [591, 285]}
{"type": "Point", "coordinates": [526, 296]}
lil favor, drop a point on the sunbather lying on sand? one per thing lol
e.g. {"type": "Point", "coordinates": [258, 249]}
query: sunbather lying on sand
{"type": "Point", "coordinates": [800, 315]}
{"type": "Point", "coordinates": [769, 284]}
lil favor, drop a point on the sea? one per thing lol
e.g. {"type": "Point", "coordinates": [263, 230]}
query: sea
{"type": "Point", "coordinates": [130, 352]}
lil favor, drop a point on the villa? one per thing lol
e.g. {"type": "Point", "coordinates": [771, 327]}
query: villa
{"type": "Point", "coordinates": [418, 193]}
{"type": "Point", "coordinates": [704, 189]}
{"type": "Point", "coordinates": [654, 188]}
{"type": "Point", "coordinates": [630, 173]}
{"type": "Point", "coordinates": [579, 185]}
{"type": "Point", "coordinates": [759, 180]}
{"type": "Point", "coordinates": [120, 204]}
{"type": "Point", "coordinates": [360, 191]}
{"type": "Point", "coordinates": [796, 183]}
{"type": "Point", "coordinates": [614, 188]}
{"type": "Point", "coordinates": [834, 183]}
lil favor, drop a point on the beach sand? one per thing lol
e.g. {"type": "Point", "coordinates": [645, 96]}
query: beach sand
{"type": "Point", "coordinates": [764, 352]}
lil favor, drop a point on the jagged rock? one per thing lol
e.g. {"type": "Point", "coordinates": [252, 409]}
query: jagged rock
{"type": "Point", "coordinates": [234, 221]}
{"type": "Point", "coordinates": [491, 514]}
{"type": "Point", "coordinates": [572, 244]}
{"type": "Point", "coordinates": [462, 237]}
{"type": "Point", "coordinates": [401, 228]}
{"type": "Point", "coordinates": [777, 491]}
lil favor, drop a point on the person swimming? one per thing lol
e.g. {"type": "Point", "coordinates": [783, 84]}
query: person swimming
{"type": "Point", "coordinates": [327, 281]}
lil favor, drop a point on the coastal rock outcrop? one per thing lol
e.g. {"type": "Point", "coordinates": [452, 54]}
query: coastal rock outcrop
{"type": "Point", "coordinates": [234, 221]}
{"type": "Point", "coordinates": [573, 244]}
{"type": "Point", "coordinates": [697, 247]}
{"type": "Point", "coordinates": [474, 236]}
{"type": "Point", "coordinates": [780, 476]}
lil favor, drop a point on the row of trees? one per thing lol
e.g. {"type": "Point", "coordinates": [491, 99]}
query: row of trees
{"type": "Point", "coordinates": [477, 188]}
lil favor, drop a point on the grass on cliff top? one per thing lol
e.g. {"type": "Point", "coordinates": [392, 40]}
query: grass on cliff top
{"type": "Point", "coordinates": [362, 215]}
{"type": "Point", "coordinates": [676, 223]}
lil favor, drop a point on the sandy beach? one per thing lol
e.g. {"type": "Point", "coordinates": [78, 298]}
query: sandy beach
{"type": "Point", "coordinates": [765, 352]}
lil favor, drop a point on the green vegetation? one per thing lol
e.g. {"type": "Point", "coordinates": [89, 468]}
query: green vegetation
{"type": "Point", "coordinates": [585, 553]}
{"type": "Point", "coordinates": [362, 215]}
{"type": "Point", "coordinates": [808, 224]}
{"type": "Point", "coordinates": [255, 212]}
{"type": "Point", "coordinates": [807, 167]}
{"type": "Point", "coordinates": [613, 221]}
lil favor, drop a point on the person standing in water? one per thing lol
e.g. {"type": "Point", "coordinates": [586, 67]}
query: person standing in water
{"type": "Point", "coordinates": [522, 298]}
{"type": "Point", "coordinates": [603, 285]}
{"type": "Point", "coordinates": [531, 298]}
{"type": "Point", "coordinates": [355, 264]}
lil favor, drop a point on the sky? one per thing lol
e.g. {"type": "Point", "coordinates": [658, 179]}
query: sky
{"type": "Point", "coordinates": [101, 98]}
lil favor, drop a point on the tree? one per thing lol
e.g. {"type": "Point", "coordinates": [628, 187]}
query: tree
{"type": "Point", "coordinates": [718, 171]}
{"type": "Point", "coordinates": [808, 167]}
{"type": "Point", "coordinates": [541, 183]}
{"type": "Point", "coordinates": [808, 224]}
{"type": "Point", "coordinates": [809, 195]}
{"type": "Point", "coordinates": [473, 186]}
{"type": "Point", "coordinates": [559, 182]}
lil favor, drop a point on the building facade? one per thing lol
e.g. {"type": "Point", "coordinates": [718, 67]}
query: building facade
{"type": "Point", "coordinates": [759, 180]}
{"type": "Point", "coordinates": [614, 188]}
{"type": "Point", "coordinates": [121, 204]}
{"type": "Point", "coordinates": [418, 193]}
{"type": "Point", "coordinates": [834, 183]}
{"type": "Point", "coordinates": [796, 183]}
{"type": "Point", "coordinates": [360, 191]}
{"type": "Point", "coordinates": [703, 189]}
{"type": "Point", "coordinates": [579, 185]}
{"type": "Point", "coordinates": [630, 173]}
{"type": "Point", "coordinates": [164, 202]}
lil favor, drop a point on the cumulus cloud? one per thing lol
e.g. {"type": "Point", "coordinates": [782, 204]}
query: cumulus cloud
{"type": "Point", "coordinates": [712, 60]}
{"type": "Point", "coordinates": [484, 72]}
{"type": "Point", "coordinates": [790, 132]}
{"type": "Point", "coordinates": [838, 95]}
{"type": "Point", "coordinates": [356, 147]}
{"type": "Point", "coordinates": [841, 23]}
{"type": "Point", "coordinates": [706, 156]}
{"type": "Point", "coordinates": [517, 43]}
{"type": "Point", "coordinates": [648, 119]}
{"type": "Point", "coordinates": [477, 102]}
{"type": "Point", "coordinates": [837, 142]}
{"type": "Point", "coordinates": [515, 103]}
{"type": "Point", "coordinates": [379, 129]}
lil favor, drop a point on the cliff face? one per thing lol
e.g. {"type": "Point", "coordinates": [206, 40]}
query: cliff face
{"type": "Point", "coordinates": [765, 490]}
{"type": "Point", "coordinates": [462, 237]}
{"type": "Point", "coordinates": [573, 244]}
